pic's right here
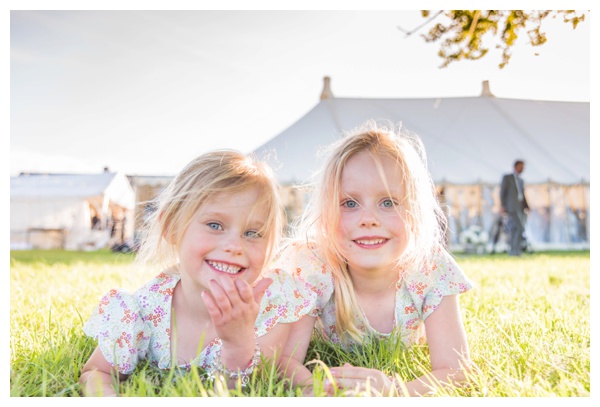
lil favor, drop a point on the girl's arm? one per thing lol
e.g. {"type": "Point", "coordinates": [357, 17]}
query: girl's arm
{"type": "Point", "coordinates": [98, 376]}
{"type": "Point", "coordinates": [291, 363]}
{"type": "Point", "coordinates": [271, 343]}
{"type": "Point", "coordinates": [448, 349]}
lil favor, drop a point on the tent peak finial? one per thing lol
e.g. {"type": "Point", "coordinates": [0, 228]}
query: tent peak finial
{"type": "Point", "coordinates": [326, 93]}
{"type": "Point", "coordinates": [485, 89]}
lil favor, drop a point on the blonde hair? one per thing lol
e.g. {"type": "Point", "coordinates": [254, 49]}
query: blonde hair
{"type": "Point", "coordinates": [425, 222]}
{"type": "Point", "coordinates": [215, 172]}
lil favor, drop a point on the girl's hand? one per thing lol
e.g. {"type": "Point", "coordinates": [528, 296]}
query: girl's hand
{"type": "Point", "coordinates": [233, 306]}
{"type": "Point", "coordinates": [354, 379]}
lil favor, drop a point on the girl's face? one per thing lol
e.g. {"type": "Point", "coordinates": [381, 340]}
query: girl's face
{"type": "Point", "coordinates": [223, 239]}
{"type": "Point", "coordinates": [371, 230]}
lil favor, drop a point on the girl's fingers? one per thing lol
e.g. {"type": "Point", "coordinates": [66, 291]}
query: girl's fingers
{"type": "Point", "coordinates": [352, 384]}
{"type": "Point", "coordinates": [228, 298]}
{"type": "Point", "coordinates": [244, 290]}
{"type": "Point", "coordinates": [347, 371]}
{"type": "Point", "coordinates": [238, 291]}
{"type": "Point", "coordinates": [344, 383]}
{"type": "Point", "coordinates": [356, 378]}
{"type": "Point", "coordinates": [211, 306]}
{"type": "Point", "coordinates": [354, 373]}
{"type": "Point", "coordinates": [220, 296]}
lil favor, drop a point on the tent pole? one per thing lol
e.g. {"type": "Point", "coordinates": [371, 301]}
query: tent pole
{"type": "Point", "coordinates": [480, 204]}
{"type": "Point", "coordinates": [568, 207]}
{"type": "Point", "coordinates": [550, 211]}
{"type": "Point", "coordinates": [586, 213]}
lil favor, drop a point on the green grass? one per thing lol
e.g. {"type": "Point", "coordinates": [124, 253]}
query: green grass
{"type": "Point", "coordinates": [527, 321]}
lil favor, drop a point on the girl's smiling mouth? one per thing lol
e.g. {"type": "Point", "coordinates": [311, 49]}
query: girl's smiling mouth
{"type": "Point", "coordinates": [225, 267]}
{"type": "Point", "coordinates": [370, 242]}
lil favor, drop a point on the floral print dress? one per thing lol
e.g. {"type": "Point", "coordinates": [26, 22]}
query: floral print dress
{"type": "Point", "coordinates": [135, 327]}
{"type": "Point", "coordinates": [418, 292]}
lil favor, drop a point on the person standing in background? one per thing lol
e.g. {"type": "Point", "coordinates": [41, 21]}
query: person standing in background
{"type": "Point", "coordinates": [514, 204]}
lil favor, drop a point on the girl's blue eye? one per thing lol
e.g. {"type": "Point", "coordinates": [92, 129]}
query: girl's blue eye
{"type": "Point", "coordinates": [215, 226]}
{"type": "Point", "coordinates": [252, 234]}
{"type": "Point", "coordinates": [388, 203]}
{"type": "Point", "coordinates": [350, 204]}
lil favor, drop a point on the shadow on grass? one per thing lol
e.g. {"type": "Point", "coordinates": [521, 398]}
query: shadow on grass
{"type": "Point", "coordinates": [50, 257]}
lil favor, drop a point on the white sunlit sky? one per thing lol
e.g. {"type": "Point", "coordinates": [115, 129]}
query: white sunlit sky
{"type": "Point", "coordinates": [144, 92]}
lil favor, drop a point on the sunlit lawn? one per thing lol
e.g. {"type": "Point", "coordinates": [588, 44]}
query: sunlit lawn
{"type": "Point", "coordinates": [527, 319]}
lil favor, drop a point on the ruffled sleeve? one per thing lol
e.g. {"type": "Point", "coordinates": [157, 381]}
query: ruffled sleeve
{"type": "Point", "coordinates": [118, 325]}
{"type": "Point", "coordinates": [275, 306]}
{"type": "Point", "coordinates": [302, 285]}
{"type": "Point", "coordinates": [443, 277]}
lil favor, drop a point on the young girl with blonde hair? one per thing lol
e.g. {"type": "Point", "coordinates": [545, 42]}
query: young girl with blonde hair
{"type": "Point", "coordinates": [214, 229]}
{"type": "Point", "coordinates": [369, 261]}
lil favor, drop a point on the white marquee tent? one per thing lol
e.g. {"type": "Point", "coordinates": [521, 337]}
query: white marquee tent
{"type": "Point", "coordinates": [57, 210]}
{"type": "Point", "coordinates": [470, 142]}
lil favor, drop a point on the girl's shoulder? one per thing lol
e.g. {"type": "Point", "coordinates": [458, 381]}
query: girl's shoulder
{"type": "Point", "coordinates": [162, 285]}
{"type": "Point", "coordinates": [157, 291]}
{"type": "Point", "coordinates": [125, 323]}
{"type": "Point", "coordinates": [445, 265]}
{"type": "Point", "coordinates": [306, 279]}
{"type": "Point", "coordinates": [306, 264]}
{"type": "Point", "coordinates": [439, 272]}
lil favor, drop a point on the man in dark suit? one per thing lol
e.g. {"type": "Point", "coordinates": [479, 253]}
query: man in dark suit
{"type": "Point", "coordinates": [514, 204]}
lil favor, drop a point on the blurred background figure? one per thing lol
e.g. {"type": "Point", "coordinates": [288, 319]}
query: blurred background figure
{"type": "Point", "coordinates": [514, 205]}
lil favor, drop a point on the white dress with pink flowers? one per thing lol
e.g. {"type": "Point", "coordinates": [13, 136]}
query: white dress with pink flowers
{"type": "Point", "coordinates": [134, 327]}
{"type": "Point", "coordinates": [418, 293]}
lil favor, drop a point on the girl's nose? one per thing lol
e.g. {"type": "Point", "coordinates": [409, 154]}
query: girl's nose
{"type": "Point", "coordinates": [368, 218]}
{"type": "Point", "coordinates": [233, 245]}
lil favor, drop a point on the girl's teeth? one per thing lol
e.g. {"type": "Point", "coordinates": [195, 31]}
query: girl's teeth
{"type": "Point", "coordinates": [370, 242]}
{"type": "Point", "coordinates": [225, 268]}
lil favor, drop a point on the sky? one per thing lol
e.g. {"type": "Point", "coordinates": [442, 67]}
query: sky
{"type": "Point", "coordinates": [144, 92]}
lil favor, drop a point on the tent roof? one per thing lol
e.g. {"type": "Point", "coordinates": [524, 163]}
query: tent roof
{"type": "Point", "coordinates": [467, 139]}
{"type": "Point", "coordinates": [61, 185]}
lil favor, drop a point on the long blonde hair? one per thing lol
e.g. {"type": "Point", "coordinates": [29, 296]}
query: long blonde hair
{"type": "Point", "coordinates": [425, 222]}
{"type": "Point", "coordinates": [218, 171]}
